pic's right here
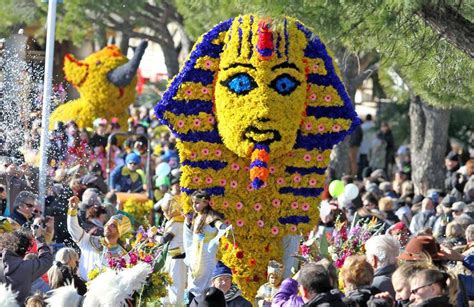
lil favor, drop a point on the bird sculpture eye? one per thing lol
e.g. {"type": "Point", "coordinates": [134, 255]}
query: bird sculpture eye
{"type": "Point", "coordinates": [284, 84]}
{"type": "Point", "coordinates": [240, 84]}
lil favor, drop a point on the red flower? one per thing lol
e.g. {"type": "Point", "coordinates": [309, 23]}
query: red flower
{"type": "Point", "coordinates": [305, 250]}
{"type": "Point", "coordinates": [239, 254]}
{"type": "Point", "coordinates": [256, 278]}
{"type": "Point", "coordinates": [252, 262]}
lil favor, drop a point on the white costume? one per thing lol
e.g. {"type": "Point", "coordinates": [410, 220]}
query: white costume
{"type": "Point", "coordinates": [200, 260]}
{"type": "Point", "coordinates": [174, 264]}
{"type": "Point", "coordinates": [93, 251]}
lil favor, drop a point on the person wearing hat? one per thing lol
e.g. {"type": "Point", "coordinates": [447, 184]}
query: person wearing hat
{"type": "Point", "coordinates": [128, 177]}
{"type": "Point", "coordinates": [266, 291]}
{"type": "Point", "coordinates": [458, 208]}
{"type": "Point", "coordinates": [222, 280]}
{"type": "Point", "coordinates": [400, 232]}
{"type": "Point", "coordinates": [174, 265]}
{"type": "Point", "coordinates": [94, 249]}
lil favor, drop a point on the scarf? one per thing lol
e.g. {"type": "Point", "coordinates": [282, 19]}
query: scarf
{"type": "Point", "coordinates": [233, 293]}
{"type": "Point", "coordinates": [126, 172]}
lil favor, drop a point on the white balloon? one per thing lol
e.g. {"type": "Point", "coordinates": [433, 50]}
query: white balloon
{"type": "Point", "coordinates": [351, 191]}
{"type": "Point", "coordinates": [325, 209]}
{"type": "Point", "coordinates": [163, 169]}
{"type": "Point", "coordinates": [341, 200]}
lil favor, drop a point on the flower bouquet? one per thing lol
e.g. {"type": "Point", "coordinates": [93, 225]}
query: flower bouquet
{"type": "Point", "coordinates": [346, 242]}
{"type": "Point", "coordinates": [145, 249]}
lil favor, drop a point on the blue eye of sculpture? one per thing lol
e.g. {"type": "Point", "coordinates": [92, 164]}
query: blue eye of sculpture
{"type": "Point", "coordinates": [241, 83]}
{"type": "Point", "coordinates": [284, 84]}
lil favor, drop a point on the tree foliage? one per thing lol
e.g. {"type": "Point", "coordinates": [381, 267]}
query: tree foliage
{"type": "Point", "coordinates": [435, 69]}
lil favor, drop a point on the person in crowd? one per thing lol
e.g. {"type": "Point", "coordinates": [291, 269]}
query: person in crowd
{"type": "Point", "coordinates": [400, 280]}
{"type": "Point", "coordinates": [432, 287]}
{"type": "Point", "coordinates": [369, 201]}
{"type": "Point", "coordinates": [387, 190]}
{"type": "Point", "coordinates": [128, 177]}
{"type": "Point", "coordinates": [63, 271]}
{"type": "Point", "coordinates": [3, 199]}
{"type": "Point", "coordinates": [222, 280]}
{"type": "Point", "coordinates": [212, 297]}
{"type": "Point", "coordinates": [23, 208]}
{"type": "Point", "coordinates": [314, 284]}
{"type": "Point", "coordinates": [377, 153]}
{"type": "Point", "coordinates": [266, 291]}
{"type": "Point", "coordinates": [358, 276]}
{"type": "Point", "coordinates": [99, 138]}
{"type": "Point", "coordinates": [18, 272]}
{"type": "Point", "coordinates": [425, 218]}
{"type": "Point", "coordinates": [87, 211]}
{"type": "Point", "coordinates": [446, 216]}
{"type": "Point", "coordinates": [201, 226]}
{"type": "Point", "coordinates": [454, 235]}
{"type": "Point", "coordinates": [110, 203]}
{"type": "Point", "coordinates": [400, 232]}
{"type": "Point", "coordinates": [58, 144]}
{"type": "Point", "coordinates": [354, 144]}
{"type": "Point", "coordinates": [368, 134]}
{"type": "Point", "coordinates": [458, 209]}
{"type": "Point", "coordinates": [469, 240]}
{"type": "Point", "coordinates": [94, 181]}
{"type": "Point", "coordinates": [385, 134]}
{"type": "Point", "coordinates": [38, 285]}
{"type": "Point", "coordinates": [36, 300]}
{"type": "Point", "coordinates": [452, 164]}
{"type": "Point", "coordinates": [94, 250]}
{"type": "Point", "coordinates": [386, 207]}
{"type": "Point", "coordinates": [382, 252]}
{"type": "Point", "coordinates": [99, 219]}
{"type": "Point", "coordinates": [78, 150]}
{"type": "Point", "coordinates": [173, 233]}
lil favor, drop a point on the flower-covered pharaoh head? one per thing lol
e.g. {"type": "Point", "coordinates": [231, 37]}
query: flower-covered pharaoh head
{"type": "Point", "coordinates": [262, 79]}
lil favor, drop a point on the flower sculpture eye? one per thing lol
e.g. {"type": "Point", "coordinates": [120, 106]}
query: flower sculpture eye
{"type": "Point", "coordinates": [241, 83]}
{"type": "Point", "coordinates": [285, 84]}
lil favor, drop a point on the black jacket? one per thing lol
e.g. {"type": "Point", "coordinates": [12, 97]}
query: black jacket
{"type": "Point", "coordinates": [439, 301]}
{"type": "Point", "coordinates": [326, 299]}
{"type": "Point", "coordinates": [360, 296]}
{"type": "Point", "coordinates": [20, 218]}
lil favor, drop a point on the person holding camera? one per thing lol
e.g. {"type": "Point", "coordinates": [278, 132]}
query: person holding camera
{"type": "Point", "coordinates": [18, 272]}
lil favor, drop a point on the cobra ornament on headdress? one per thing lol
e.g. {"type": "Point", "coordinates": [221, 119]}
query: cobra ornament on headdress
{"type": "Point", "coordinates": [254, 99]}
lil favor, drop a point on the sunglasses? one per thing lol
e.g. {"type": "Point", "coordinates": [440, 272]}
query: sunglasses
{"type": "Point", "coordinates": [132, 163]}
{"type": "Point", "coordinates": [414, 291]}
{"type": "Point", "coordinates": [29, 205]}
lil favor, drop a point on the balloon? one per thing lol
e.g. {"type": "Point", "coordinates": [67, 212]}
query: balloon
{"type": "Point", "coordinates": [162, 180]}
{"type": "Point", "coordinates": [336, 188]}
{"type": "Point", "coordinates": [325, 209]}
{"type": "Point", "coordinates": [341, 200]}
{"type": "Point", "coordinates": [163, 169]}
{"type": "Point", "coordinates": [351, 191]}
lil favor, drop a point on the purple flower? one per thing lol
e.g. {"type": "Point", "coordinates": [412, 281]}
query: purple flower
{"type": "Point", "coordinates": [148, 259]}
{"type": "Point", "coordinates": [133, 258]}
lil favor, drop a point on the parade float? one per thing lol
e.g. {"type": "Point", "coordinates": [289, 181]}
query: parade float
{"type": "Point", "coordinates": [257, 108]}
{"type": "Point", "coordinates": [106, 83]}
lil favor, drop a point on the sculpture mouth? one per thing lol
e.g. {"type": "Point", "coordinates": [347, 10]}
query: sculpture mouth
{"type": "Point", "coordinates": [261, 136]}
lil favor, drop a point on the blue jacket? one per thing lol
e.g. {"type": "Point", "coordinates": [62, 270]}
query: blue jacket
{"type": "Point", "coordinates": [123, 183]}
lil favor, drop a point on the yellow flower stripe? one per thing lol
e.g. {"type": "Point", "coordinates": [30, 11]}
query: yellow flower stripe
{"type": "Point", "coordinates": [194, 91]}
{"type": "Point", "coordinates": [183, 123]}
{"type": "Point", "coordinates": [316, 66]}
{"type": "Point", "coordinates": [207, 63]}
{"type": "Point", "coordinates": [323, 96]}
{"type": "Point", "coordinates": [203, 151]}
{"type": "Point", "coordinates": [313, 125]}
{"type": "Point", "coordinates": [299, 157]}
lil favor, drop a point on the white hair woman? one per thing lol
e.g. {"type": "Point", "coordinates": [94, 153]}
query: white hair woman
{"type": "Point", "coordinates": [382, 252]}
{"type": "Point", "coordinates": [64, 271]}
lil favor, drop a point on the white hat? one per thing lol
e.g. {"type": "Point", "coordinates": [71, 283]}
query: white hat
{"type": "Point", "coordinates": [458, 206]}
